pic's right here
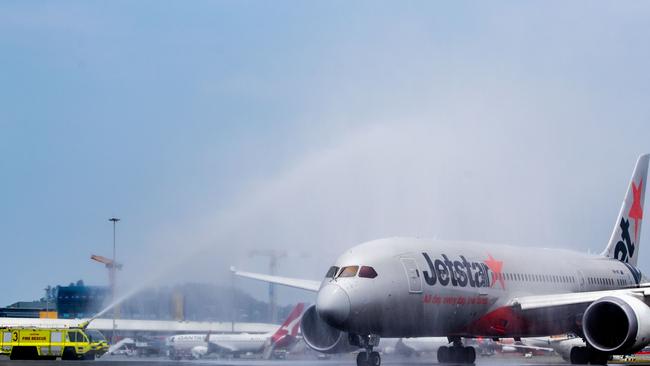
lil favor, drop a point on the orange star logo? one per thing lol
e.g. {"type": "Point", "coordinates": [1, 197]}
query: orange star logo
{"type": "Point", "coordinates": [495, 266]}
{"type": "Point", "coordinates": [636, 211]}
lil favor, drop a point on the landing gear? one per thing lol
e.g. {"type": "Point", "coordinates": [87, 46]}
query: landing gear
{"type": "Point", "coordinates": [456, 353]}
{"type": "Point", "coordinates": [588, 355]}
{"type": "Point", "coordinates": [367, 357]}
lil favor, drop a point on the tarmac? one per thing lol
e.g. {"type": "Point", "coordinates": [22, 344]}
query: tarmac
{"type": "Point", "coordinates": [338, 361]}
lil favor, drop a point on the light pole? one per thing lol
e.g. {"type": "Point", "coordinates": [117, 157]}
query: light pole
{"type": "Point", "coordinates": [112, 272]}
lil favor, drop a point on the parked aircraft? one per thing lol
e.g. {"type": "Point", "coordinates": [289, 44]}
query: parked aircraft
{"type": "Point", "coordinates": [198, 345]}
{"type": "Point", "coordinates": [405, 287]}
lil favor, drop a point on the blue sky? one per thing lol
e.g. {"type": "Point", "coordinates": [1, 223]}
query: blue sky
{"type": "Point", "coordinates": [213, 128]}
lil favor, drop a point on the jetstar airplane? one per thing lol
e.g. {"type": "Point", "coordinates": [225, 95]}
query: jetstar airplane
{"type": "Point", "coordinates": [198, 345]}
{"type": "Point", "coordinates": [405, 287]}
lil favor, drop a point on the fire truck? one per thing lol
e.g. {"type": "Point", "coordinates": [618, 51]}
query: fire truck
{"type": "Point", "coordinates": [29, 343]}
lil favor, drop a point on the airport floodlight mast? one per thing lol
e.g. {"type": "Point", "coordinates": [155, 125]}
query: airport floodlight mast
{"type": "Point", "coordinates": [114, 220]}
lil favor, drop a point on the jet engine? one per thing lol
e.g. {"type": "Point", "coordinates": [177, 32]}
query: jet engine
{"type": "Point", "coordinates": [617, 324]}
{"type": "Point", "coordinates": [199, 352]}
{"type": "Point", "coordinates": [322, 337]}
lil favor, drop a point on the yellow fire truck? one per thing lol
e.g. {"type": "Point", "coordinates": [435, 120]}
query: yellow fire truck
{"type": "Point", "coordinates": [79, 343]}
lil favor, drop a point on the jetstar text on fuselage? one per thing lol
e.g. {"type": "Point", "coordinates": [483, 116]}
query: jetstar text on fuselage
{"type": "Point", "coordinates": [458, 273]}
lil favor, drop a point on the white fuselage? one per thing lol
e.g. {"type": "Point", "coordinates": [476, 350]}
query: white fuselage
{"type": "Point", "coordinates": [427, 288]}
{"type": "Point", "coordinates": [226, 343]}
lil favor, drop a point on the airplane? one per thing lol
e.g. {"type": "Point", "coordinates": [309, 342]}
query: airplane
{"type": "Point", "coordinates": [408, 287]}
{"type": "Point", "coordinates": [199, 345]}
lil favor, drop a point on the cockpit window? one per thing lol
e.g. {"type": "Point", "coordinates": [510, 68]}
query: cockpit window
{"type": "Point", "coordinates": [332, 272]}
{"type": "Point", "coordinates": [349, 271]}
{"type": "Point", "coordinates": [367, 272]}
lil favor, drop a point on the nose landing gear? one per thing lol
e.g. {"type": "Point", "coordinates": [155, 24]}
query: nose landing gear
{"type": "Point", "coordinates": [456, 353]}
{"type": "Point", "coordinates": [367, 357]}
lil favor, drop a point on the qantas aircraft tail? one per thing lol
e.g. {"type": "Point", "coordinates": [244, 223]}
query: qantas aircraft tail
{"type": "Point", "coordinates": [285, 336]}
{"type": "Point", "coordinates": [290, 326]}
{"type": "Point", "coordinates": [625, 240]}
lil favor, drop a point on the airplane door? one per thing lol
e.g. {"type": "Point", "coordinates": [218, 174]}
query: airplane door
{"type": "Point", "coordinates": [412, 275]}
{"type": "Point", "coordinates": [581, 280]}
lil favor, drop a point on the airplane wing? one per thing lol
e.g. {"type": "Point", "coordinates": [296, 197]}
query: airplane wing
{"type": "Point", "coordinates": [547, 301]}
{"type": "Point", "coordinates": [308, 285]}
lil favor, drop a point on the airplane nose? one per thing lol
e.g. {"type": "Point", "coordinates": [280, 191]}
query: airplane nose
{"type": "Point", "coordinates": [333, 305]}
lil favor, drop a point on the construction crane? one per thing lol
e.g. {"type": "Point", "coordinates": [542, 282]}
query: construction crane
{"type": "Point", "coordinates": [274, 256]}
{"type": "Point", "coordinates": [112, 266]}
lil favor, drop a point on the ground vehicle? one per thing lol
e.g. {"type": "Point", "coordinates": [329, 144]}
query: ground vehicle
{"type": "Point", "coordinates": [78, 343]}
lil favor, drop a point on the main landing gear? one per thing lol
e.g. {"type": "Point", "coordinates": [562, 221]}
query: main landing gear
{"type": "Point", "coordinates": [368, 342]}
{"type": "Point", "coordinates": [588, 355]}
{"type": "Point", "coordinates": [366, 358]}
{"type": "Point", "coordinates": [456, 353]}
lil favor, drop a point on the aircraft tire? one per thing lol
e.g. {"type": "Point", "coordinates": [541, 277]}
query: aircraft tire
{"type": "Point", "coordinates": [363, 359]}
{"type": "Point", "coordinates": [579, 356]}
{"type": "Point", "coordinates": [470, 355]}
{"type": "Point", "coordinates": [598, 358]}
{"type": "Point", "coordinates": [374, 359]}
{"type": "Point", "coordinates": [443, 354]}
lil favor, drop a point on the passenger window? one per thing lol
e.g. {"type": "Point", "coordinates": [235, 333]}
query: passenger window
{"type": "Point", "coordinates": [331, 272]}
{"type": "Point", "coordinates": [349, 271]}
{"type": "Point", "coordinates": [367, 272]}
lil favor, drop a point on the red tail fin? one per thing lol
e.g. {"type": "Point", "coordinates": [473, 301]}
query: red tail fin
{"type": "Point", "coordinates": [290, 326]}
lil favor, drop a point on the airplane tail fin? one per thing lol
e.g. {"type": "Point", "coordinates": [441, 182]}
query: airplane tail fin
{"type": "Point", "coordinates": [286, 334]}
{"type": "Point", "coordinates": [290, 326]}
{"type": "Point", "coordinates": [625, 240]}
